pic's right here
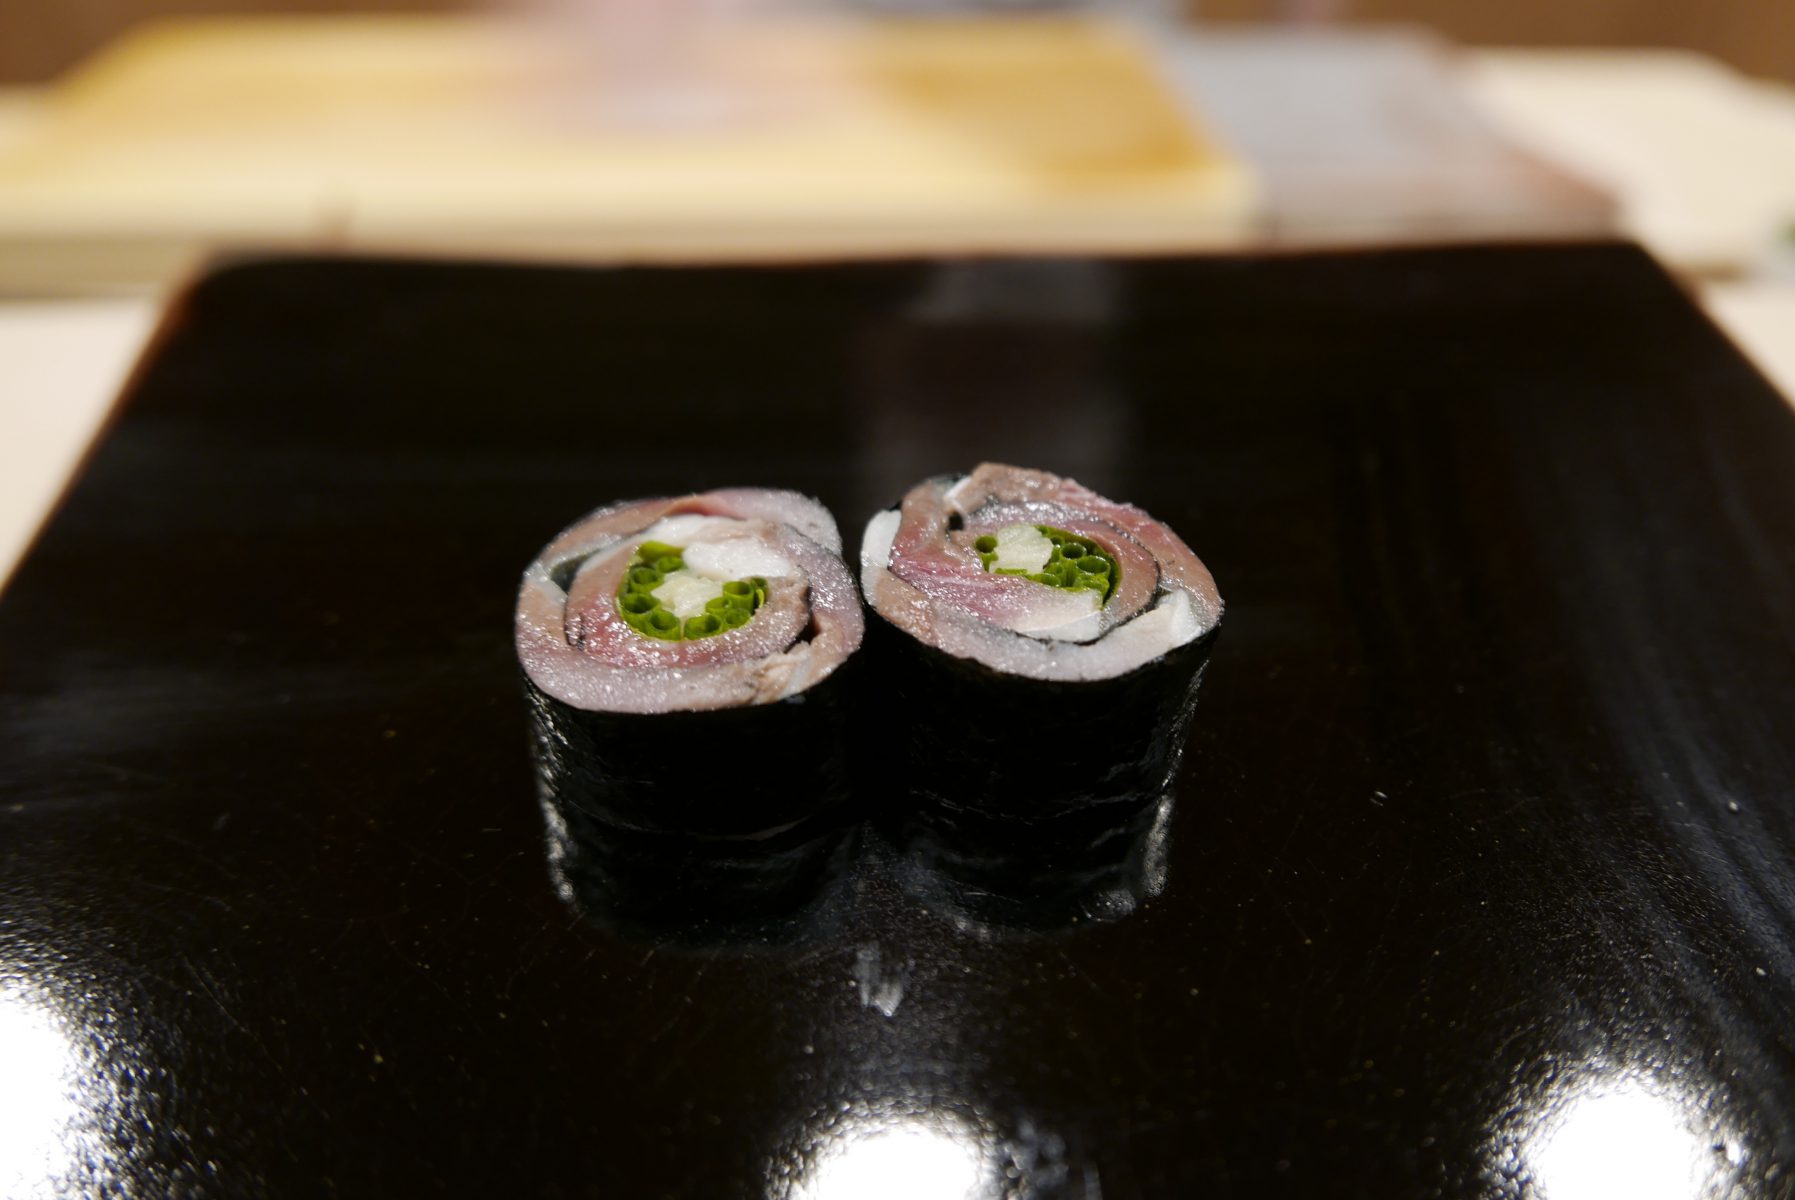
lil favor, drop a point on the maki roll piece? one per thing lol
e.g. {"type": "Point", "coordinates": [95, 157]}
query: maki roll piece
{"type": "Point", "coordinates": [1043, 644]}
{"type": "Point", "coordinates": [681, 659]}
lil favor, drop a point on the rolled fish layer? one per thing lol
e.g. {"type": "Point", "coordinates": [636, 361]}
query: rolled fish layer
{"type": "Point", "coordinates": [922, 572]}
{"type": "Point", "coordinates": [1016, 695]}
{"type": "Point", "coordinates": [727, 732]}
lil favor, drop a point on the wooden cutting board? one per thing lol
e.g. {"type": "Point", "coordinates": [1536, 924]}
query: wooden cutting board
{"type": "Point", "coordinates": [456, 135]}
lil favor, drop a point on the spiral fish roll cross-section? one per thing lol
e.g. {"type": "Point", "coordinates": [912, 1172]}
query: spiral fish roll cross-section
{"type": "Point", "coordinates": [681, 658]}
{"type": "Point", "coordinates": [1043, 642]}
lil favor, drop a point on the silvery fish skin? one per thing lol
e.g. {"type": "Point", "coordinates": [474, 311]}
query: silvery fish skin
{"type": "Point", "coordinates": [575, 648]}
{"type": "Point", "coordinates": [920, 572]}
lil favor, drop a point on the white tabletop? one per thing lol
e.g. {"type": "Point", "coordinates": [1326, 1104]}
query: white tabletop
{"type": "Point", "coordinates": [61, 365]}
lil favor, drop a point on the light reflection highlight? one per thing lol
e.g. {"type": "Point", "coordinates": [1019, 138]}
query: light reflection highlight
{"type": "Point", "coordinates": [39, 1078]}
{"type": "Point", "coordinates": [999, 877]}
{"type": "Point", "coordinates": [1626, 1143]}
{"type": "Point", "coordinates": [1626, 1139]}
{"type": "Point", "coordinates": [900, 1163]}
{"type": "Point", "coordinates": [892, 1150]}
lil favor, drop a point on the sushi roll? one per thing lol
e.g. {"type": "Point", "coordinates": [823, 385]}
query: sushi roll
{"type": "Point", "coordinates": [1043, 644]}
{"type": "Point", "coordinates": [682, 660]}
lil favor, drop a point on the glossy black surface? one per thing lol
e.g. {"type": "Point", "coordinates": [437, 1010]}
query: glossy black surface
{"type": "Point", "coordinates": [1480, 879]}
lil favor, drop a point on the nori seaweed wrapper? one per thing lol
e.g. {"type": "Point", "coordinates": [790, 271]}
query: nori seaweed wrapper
{"type": "Point", "coordinates": [732, 772]}
{"type": "Point", "coordinates": [977, 742]}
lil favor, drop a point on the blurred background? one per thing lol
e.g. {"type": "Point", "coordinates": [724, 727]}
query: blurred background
{"type": "Point", "coordinates": [138, 136]}
{"type": "Point", "coordinates": [140, 139]}
{"type": "Point", "coordinates": [37, 41]}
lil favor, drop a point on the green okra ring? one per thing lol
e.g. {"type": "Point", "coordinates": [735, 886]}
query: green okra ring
{"type": "Point", "coordinates": [643, 611]}
{"type": "Point", "coordinates": [1075, 562]}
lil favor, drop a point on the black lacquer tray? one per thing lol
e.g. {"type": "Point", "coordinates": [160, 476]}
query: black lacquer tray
{"type": "Point", "coordinates": [1479, 879]}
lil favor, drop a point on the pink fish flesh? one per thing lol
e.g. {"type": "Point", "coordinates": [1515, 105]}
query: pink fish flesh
{"type": "Point", "coordinates": [920, 571]}
{"type": "Point", "coordinates": [575, 647]}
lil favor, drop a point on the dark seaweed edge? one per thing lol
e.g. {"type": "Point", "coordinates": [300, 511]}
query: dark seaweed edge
{"type": "Point", "coordinates": [958, 722]}
{"type": "Point", "coordinates": [741, 772]}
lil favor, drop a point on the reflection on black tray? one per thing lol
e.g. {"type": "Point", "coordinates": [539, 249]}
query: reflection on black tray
{"type": "Point", "coordinates": [914, 1145]}
{"type": "Point", "coordinates": [983, 873]}
{"type": "Point", "coordinates": [696, 891]}
{"type": "Point", "coordinates": [1091, 866]}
